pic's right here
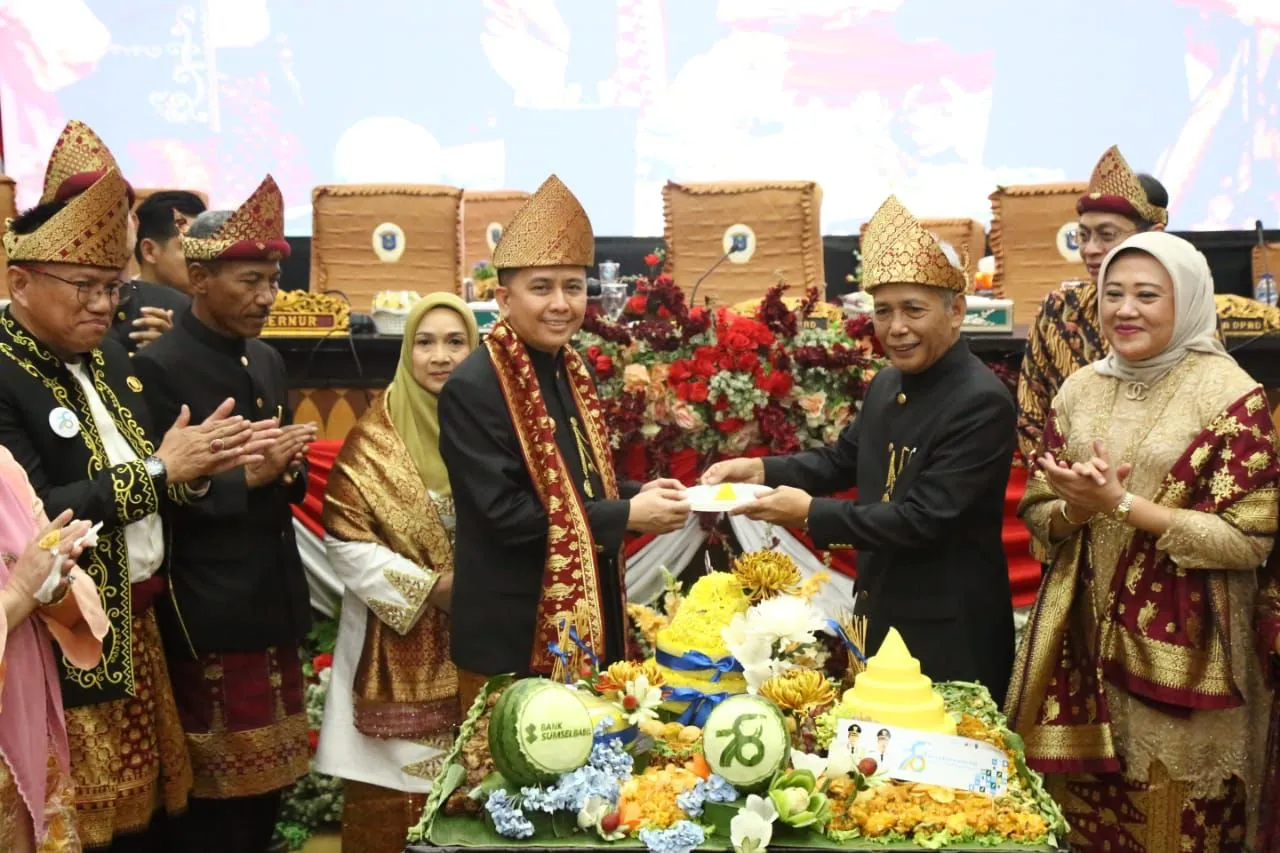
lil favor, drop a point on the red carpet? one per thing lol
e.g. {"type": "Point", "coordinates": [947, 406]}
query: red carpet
{"type": "Point", "coordinates": [1024, 572]}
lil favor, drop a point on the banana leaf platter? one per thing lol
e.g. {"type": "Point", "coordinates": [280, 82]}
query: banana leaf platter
{"type": "Point", "coordinates": [437, 832]}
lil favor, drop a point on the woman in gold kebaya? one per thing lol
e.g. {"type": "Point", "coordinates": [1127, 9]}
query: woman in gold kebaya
{"type": "Point", "coordinates": [1139, 687]}
{"type": "Point", "coordinates": [393, 705]}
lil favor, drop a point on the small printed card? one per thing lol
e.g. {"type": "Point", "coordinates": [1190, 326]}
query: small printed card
{"type": "Point", "coordinates": [929, 758]}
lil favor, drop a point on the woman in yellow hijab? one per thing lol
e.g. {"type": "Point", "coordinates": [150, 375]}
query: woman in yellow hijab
{"type": "Point", "coordinates": [393, 700]}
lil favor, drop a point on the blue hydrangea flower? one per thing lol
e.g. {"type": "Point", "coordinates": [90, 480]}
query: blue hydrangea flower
{"type": "Point", "coordinates": [612, 759]}
{"type": "Point", "coordinates": [713, 790]}
{"type": "Point", "coordinates": [690, 801]}
{"type": "Point", "coordinates": [682, 837]}
{"type": "Point", "coordinates": [508, 820]}
{"type": "Point", "coordinates": [550, 799]}
{"type": "Point", "coordinates": [718, 790]}
{"type": "Point", "coordinates": [586, 782]}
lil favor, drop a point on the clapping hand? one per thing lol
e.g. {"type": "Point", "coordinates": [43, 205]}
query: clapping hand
{"type": "Point", "coordinates": [285, 454]}
{"type": "Point", "coordinates": [62, 536]}
{"type": "Point", "coordinates": [153, 323]}
{"type": "Point", "coordinates": [219, 443]}
{"type": "Point", "coordinates": [1089, 488]}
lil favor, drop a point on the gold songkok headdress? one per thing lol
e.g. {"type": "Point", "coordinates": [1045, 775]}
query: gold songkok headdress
{"type": "Point", "coordinates": [1115, 188]}
{"type": "Point", "coordinates": [550, 230]}
{"type": "Point", "coordinates": [92, 229]}
{"type": "Point", "coordinates": [255, 232]}
{"type": "Point", "coordinates": [79, 159]}
{"type": "Point", "coordinates": [897, 249]}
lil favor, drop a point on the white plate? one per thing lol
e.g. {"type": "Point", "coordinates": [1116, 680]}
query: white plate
{"type": "Point", "coordinates": [708, 499]}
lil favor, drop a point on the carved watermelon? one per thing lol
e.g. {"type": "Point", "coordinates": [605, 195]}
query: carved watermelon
{"type": "Point", "coordinates": [745, 741]}
{"type": "Point", "coordinates": [539, 730]}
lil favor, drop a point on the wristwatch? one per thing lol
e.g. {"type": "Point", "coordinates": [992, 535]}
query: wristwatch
{"type": "Point", "coordinates": [156, 470]}
{"type": "Point", "coordinates": [1121, 512]}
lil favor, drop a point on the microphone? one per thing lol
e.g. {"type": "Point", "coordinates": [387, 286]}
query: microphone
{"type": "Point", "coordinates": [1264, 290]}
{"type": "Point", "coordinates": [739, 244]}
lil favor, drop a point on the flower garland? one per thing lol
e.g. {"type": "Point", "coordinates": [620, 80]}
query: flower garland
{"type": "Point", "coordinates": [713, 382]}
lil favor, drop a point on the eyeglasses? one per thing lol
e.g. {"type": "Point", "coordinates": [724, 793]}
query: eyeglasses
{"type": "Point", "coordinates": [1107, 237]}
{"type": "Point", "coordinates": [117, 292]}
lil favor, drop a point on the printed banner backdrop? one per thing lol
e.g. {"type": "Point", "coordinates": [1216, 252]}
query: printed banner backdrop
{"type": "Point", "coordinates": [936, 100]}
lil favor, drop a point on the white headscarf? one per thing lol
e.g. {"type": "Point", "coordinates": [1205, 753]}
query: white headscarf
{"type": "Point", "coordinates": [1195, 315]}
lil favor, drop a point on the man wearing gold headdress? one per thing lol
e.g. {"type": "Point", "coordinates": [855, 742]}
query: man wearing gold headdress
{"type": "Point", "coordinates": [238, 604]}
{"type": "Point", "coordinates": [538, 579]}
{"type": "Point", "coordinates": [929, 454]}
{"type": "Point", "coordinates": [79, 158]}
{"type": "Point", "coordinates": [1066, 334]}
{"type": "Point", "coordinates": [73, 415]}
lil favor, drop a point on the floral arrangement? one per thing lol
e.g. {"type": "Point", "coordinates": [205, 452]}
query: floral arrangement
{"type": "Point", "coordinates": [659, 788]}
{"type": "Point", "coordinates": [779, 632]}
{"type": "Point", "coordinates": [315, 800]}
{"type": "Point", "coordinates": [710, 381]}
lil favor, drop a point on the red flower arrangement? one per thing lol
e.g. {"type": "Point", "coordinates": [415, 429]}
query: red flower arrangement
{"type": "Point", "coordinates": [680, 385]}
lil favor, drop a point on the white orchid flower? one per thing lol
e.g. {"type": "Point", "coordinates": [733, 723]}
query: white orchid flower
{"type": "Point", "coordinates": [839, 761]}
{"type": "Point", "coordinates": [647, 700]}
{"type": "Point", "coordinates": [815, 764]}
{"type": "Point", "coordinates": [751, 829]}
{"type": "Point", "coordinates": [595, 808]}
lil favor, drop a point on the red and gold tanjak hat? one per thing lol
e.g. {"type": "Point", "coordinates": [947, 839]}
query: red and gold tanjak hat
{"type": "Point", "coordinates": [93, 230]}
{"type": "Point", "coordinates": [78, 160]}
{"type": "Point", "coordinates": [1115, 188]}
{"type": "Point", "coordinates": [897, 249]}
{"type": "Point", "coordinates": [255, 232]}
{"type": "Point", "coordinates": [550, 230]}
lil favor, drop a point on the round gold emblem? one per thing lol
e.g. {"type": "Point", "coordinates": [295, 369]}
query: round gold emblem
{"type": "Point", "coordinates": [135, 384]}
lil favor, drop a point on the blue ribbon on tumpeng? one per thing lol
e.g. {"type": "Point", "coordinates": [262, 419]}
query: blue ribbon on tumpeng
{"type": "Point", "coordinates": [700, 704]}
{"type": "Point", "coordinates": [694, 660]}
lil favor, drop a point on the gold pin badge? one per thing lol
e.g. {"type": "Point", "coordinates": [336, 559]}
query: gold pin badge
{"type": "Point", "coordinates": [135, 384]}
{"type": "Point", "coordinates": [902, 399]}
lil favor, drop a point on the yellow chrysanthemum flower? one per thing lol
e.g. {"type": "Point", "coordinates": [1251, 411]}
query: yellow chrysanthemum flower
{"type": "Point", "coordinates": [799, 690]}
{"type": "Point", "coordinates": [647, 621]}
{"type": "Point", "coordinates": [615, 678]}
{"type": "Point", "coordinates": [765, 574]}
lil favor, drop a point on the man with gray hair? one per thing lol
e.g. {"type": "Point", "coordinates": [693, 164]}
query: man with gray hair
{"type": "Point", "coordinates": [929, 455]}
{"type": "Point", "coordinates": [238, 603]}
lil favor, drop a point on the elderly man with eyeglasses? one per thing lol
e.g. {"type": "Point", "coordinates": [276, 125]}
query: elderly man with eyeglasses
{"type": "Point", "coordinates": [1066, 334]}
{"type": "Point", "coordinates": [72, 413]}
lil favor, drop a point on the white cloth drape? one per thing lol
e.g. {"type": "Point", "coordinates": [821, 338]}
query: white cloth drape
{"type": "Point", "coordinates": [674, 550]}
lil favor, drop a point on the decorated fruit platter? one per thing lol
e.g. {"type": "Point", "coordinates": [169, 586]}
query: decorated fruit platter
{"type": "Point", "coordinates": [776, 753]}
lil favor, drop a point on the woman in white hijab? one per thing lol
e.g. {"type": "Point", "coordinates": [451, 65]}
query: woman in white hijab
{"type": "Point", "coordinates": [1137, 688]}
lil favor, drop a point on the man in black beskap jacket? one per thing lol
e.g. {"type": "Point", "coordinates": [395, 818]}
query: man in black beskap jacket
{"type": "Point", "coordinates": [239, 603]}
{"type": "Point", "coordinates": [929, 453]}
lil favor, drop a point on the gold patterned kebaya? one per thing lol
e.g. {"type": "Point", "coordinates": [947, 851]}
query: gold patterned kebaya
{"type": "Point", "coordinates": [254, 232]}
{"type": "Point", "coordinates": [405, 685]}
{"type": "Point", "coordinates": [896, 249]}
{"type": "Point", "coordinates": [1115, 188]}
{"type": "Point", "coordinates": [1139, 663]}
{"type": "Point", "coordinates": [92, 229]}
{"type": "Point", "coordinates": [552, 229]}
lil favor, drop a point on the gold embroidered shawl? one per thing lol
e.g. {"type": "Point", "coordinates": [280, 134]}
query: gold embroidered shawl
{"type": "Point", "coordinates": [406, 686]}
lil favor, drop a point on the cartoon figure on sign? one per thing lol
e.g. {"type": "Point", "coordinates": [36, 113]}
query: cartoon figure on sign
{"type": "Point", "coordinates": [882, 742]}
